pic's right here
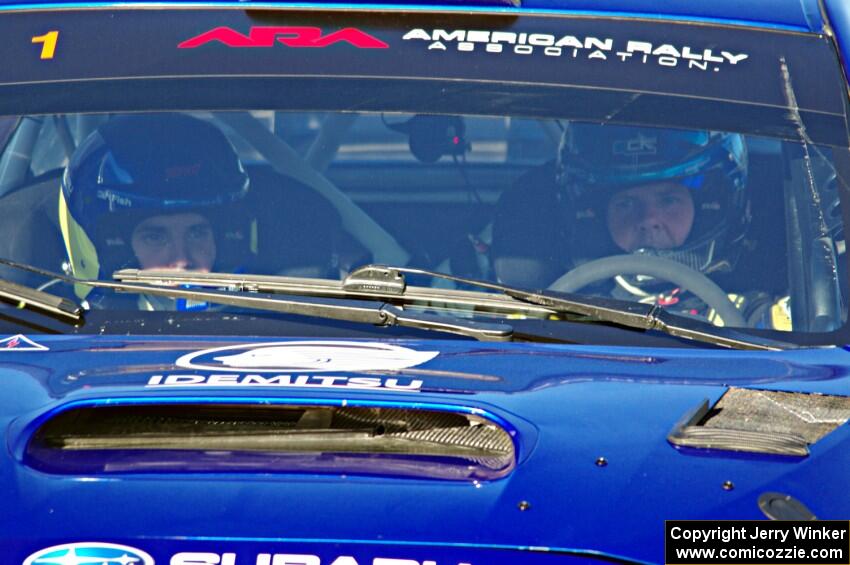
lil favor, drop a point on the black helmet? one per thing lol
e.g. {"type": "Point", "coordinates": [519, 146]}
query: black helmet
{"type": "Point", "coordinates": [138, 166]}
{"type": "Point", "coordinates": [597, 161]}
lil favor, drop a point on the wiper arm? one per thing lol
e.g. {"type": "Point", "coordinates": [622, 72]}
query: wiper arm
{"type": "Point", "coordinates": [624, 313]}
{"type": "Point", "coordinates": [361, 311]}
{"type": "Point", "coordinates": [653, 317]}
{"type": "Point", "coordinates": [598, 309]}
{"type": "Point", "coordinates": [39, 300]}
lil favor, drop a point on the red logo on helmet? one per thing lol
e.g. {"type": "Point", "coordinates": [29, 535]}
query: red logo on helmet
{"type": "Point", "coordinates": [291, 36]}
{"type": "Point", "coordinates": [182, 171]}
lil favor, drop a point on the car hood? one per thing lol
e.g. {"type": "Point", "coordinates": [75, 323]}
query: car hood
{"type": "Point", "coordinates": [595, 477]}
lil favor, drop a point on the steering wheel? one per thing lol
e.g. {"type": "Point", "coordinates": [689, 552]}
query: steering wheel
{"type": "Point", "coordinates": [677, 273]}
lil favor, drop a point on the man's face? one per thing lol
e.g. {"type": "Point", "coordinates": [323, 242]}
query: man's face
{"type": "Point", "coordinates": [658, 216]}
{"type": "Point", "coordinates": [180, 242]}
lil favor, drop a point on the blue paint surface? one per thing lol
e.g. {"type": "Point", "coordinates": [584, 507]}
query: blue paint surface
{"type": "Point", "coordinates": [795, 15]}
{"type": "Point", "coordinates": [568, 406]}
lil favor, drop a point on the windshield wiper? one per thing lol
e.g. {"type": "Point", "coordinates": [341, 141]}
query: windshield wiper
{"type": "Point", "coordinates": [382, 282]}
{"type": "Point", "coordinates": [39, 300]}
{"type": "Point", "coordinates": [362, 311]}
{"type": "Point", "coordinates": [392, 288]}
{"type": "Point", "coordinates": [635, 315]}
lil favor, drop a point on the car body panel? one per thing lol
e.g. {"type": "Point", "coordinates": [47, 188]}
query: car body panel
{"type": "Point", "coordinates": [802, 15]}
{"type": "Point", "coordinates": [569, 406]}
{"type": "Point", "coordinates": [839, 18]}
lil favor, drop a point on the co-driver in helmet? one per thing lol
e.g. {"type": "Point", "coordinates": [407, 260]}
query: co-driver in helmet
{"type": "Point", "coordinates": [153, 191]}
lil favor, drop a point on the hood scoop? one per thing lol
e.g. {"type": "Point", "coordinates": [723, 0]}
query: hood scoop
{"type": "Point", "coordinates": [762, 421]}
{"type": "Point", "coordinates": [263, 438]}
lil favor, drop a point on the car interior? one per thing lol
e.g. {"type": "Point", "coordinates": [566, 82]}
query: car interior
{"type": "Point", "coordinates": [334, 191]}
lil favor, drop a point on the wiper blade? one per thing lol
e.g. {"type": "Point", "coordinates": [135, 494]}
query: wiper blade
{"type": "Point", "coordinates": [384, 282]}
{"type": "Point", "coordinates": [395, 291]}
{"type": "Point", "coordinates": [39, 300]}
{"type": "Point", "coordinates": [636, 315]}
{"type": "Point", "coordinates": [361, 311]}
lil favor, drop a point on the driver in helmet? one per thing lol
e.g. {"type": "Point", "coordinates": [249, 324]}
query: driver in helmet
{"type": "Point", "coordinates": [153, 191]}
{"type": "Point", "coordinates": [676, 194]}
{"type": "Point", "coordinates": [680, 195]}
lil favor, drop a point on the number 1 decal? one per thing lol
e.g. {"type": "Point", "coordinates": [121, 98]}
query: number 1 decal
{"type": "Point", "coordinates": [48, 41]}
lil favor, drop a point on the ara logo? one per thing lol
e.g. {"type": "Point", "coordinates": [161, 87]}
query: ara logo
{"type": "Point", "coordinates": [89, 553]}
{"type": "Point", "coordinates": [20, 343]}
{"type": "Point", "coordinates": [309, 356]}
{"type": "Point", "coordinates": [291, 36]}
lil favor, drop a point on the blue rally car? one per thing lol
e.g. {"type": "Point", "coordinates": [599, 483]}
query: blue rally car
{"type": "Point", "coordinates": [470, 282]}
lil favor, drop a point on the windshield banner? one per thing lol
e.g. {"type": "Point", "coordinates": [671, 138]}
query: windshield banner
{"type": "Point", "coordinates": [709, 62]}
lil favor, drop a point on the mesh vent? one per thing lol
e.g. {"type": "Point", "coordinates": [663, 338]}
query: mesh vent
{"type": "Point", "coordinates": [762, 421]}
{"type": "Point", "coordinates": [809, 416]}
{"type": "Point", "coordinates": [319, 439]}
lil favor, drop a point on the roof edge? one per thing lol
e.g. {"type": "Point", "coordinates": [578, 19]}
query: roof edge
{"type": "Point", "coordinates": [806, 20]}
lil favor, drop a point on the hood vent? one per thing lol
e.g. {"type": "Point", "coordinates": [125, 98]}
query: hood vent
{"type": "Point", "coordinates": [762, 421]}
{"type": "Point", "coordinates": [252, 438]}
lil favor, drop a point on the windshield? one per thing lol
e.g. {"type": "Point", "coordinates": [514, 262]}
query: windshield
{"type": "Point", "coordinates": [640, 170]}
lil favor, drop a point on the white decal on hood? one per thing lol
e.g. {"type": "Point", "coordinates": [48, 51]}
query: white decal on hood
{"type": "Point", "coordinates": [89, 553]}
{"type": "Point", "coordinates": [277, 381]}
{"type": "Point", "coordinates": [308, 356]}
{"type": "Point", "coordinates": [21, 343]}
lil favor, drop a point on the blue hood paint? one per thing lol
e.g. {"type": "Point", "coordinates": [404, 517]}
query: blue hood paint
{"type": "Point", "coordinates": [792, 15]}
{"type": "Point", "coordinates": [570, 405]}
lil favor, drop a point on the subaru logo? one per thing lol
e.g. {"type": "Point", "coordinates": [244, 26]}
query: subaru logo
{"type": "Point", "coordinates": [312, 356]}
{"type": "Point", "coordinates": [89, 553]}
